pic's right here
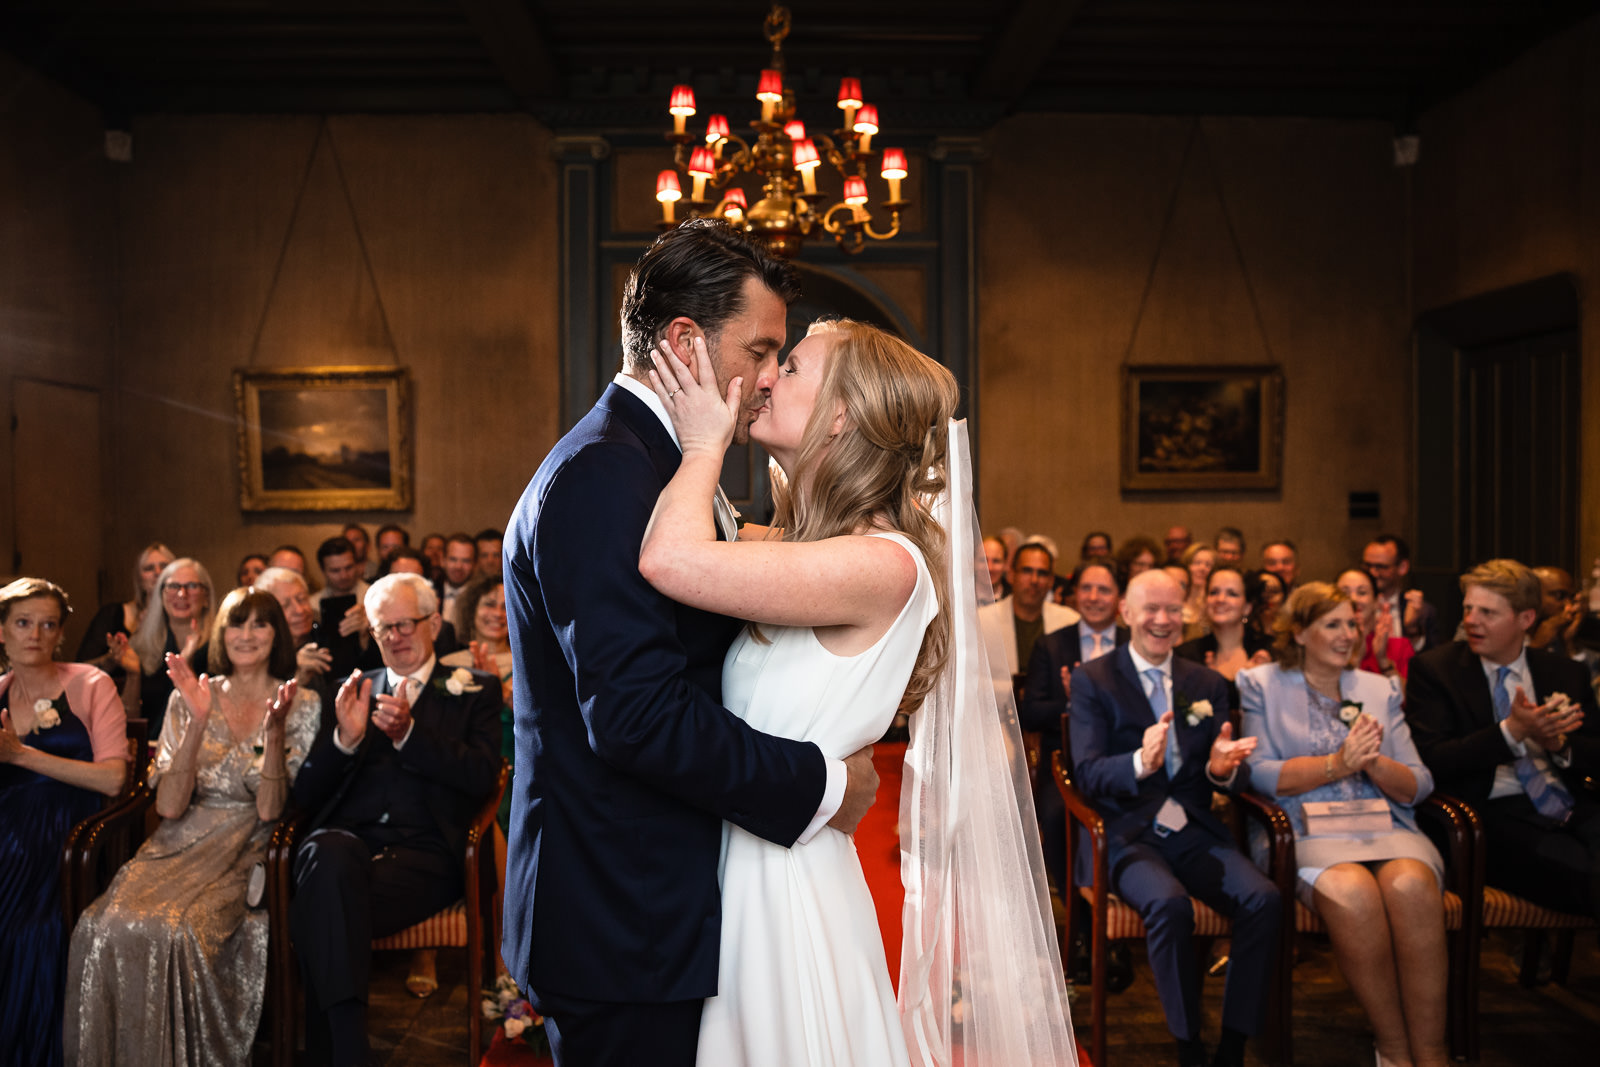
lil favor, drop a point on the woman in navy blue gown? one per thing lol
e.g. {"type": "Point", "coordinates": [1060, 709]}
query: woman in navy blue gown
{"type": "Point", "coordinates": [63, 749]}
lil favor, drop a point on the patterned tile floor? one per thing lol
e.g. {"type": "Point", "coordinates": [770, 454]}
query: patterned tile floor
{"type": "Point", "coordinates": [1547, 1025]}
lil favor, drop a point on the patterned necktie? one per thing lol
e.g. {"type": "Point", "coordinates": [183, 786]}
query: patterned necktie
{"type": "Point", "coordinates": [1158, 704]}
{"type": "Point", "coordinates": [1550, 798]}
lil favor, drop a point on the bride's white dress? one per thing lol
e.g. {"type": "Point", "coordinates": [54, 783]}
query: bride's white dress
{"type": "Point", "coordinates": [803, 979]}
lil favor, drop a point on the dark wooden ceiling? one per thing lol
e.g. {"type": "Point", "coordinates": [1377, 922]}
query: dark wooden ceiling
{"type": "Point", "coordinates": [932, 64]}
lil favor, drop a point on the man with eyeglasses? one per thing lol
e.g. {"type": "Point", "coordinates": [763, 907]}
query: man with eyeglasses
{"type": "Point", "coordinates": [1387, 559]}
{"type": "Point", "coordinates": [412, 753]}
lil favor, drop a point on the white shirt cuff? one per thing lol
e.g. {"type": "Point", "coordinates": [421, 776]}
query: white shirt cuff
{"type": "Point", "coordinates": [832, 797]}
{"type": "Point", "coordinates": [398, 745]}
{"type": "Point", "coordinates": [1138, 765]}
{"type": "Point", "coordinates": [1517, 747]}
{"type": "Point", "coordinates": [1221, 783]}
{"type": "Point", "coordinates": [338, 744]}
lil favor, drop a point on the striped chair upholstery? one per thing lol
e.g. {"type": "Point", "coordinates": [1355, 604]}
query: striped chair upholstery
{"type": "Point", "coordinates": [1123, 922]}
{"type": "Point", "coordinates": [446, 929]}
{"type": "Point", "coordinates": [1307, 921]}
{"type": "Point", "coordinates": [1501, 909]}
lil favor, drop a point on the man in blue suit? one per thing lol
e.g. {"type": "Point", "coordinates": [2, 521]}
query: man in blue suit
{"type": "Point", "coordinates": [1150, 742]}
{"type": "Point", "coordinates": [626, 762]}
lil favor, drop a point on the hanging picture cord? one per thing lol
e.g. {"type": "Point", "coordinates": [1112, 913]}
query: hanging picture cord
{"type": "Point", "coordinates": [323, 133]}
{"type": "Point", "coordinates": [1197, 137]}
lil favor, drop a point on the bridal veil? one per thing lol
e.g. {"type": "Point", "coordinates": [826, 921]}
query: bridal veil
{"type": "Point", "coordinates": [981, 981]}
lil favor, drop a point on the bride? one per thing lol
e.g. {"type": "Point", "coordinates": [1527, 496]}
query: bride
{"type": "Point", "coordinates": [863, 608]}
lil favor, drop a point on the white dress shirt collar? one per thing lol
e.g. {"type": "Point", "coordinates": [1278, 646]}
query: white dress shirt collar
{"type": "Point", "coordinates": [420, 676]}
{"type": "Point", "coordinates": [651, 401]}
{"type": "Point", "coordinates": [1140, 664]}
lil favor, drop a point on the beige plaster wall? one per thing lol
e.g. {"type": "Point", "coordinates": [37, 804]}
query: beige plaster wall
{"type": "Point", "coordinates": [426, 242]}
{"type": "Point", "coordinates": [1105, 240]}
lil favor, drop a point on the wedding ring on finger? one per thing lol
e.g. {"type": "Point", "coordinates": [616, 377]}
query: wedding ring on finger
{"type": "Point", "coordinates": [674, 393]}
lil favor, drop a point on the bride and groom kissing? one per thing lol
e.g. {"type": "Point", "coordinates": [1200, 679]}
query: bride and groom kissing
{"type": "Point", "coordinates": [694, 710]}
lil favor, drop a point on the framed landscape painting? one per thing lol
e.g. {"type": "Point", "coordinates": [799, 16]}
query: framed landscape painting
{"type": "Point", "coordinates": [1202, 428]}
{"type": "Point", "coordinates": [324, 439]}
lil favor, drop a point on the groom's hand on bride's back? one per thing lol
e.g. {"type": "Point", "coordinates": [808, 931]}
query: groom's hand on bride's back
{"type": "Point", "coordinates": [861, 787]}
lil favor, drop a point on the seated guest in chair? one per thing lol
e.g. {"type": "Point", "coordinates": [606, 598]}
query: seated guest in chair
{"type": "Point", "coordinates": [63, 750]}
{"type": "Point", "coordinates": [1513, 732]}
{"type": "Point", "coordinates": [1015, 622]}
{"type": "Point", "coordinates": [1325, 733]}
{"type": "Point", "coordinates": [392, 788]}
{"type": "Point", "coordinates": [1229, 644]}
{"type": "Point", "coordinates": [1151, 741]}
{"type": "Point", "coordinates": [168, 965]}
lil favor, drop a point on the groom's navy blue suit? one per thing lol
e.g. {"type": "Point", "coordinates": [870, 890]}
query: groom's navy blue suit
{"type": "Point", "coordinates": [1156, 873]}
{"type": "Point", "coordinates": [626, 762]}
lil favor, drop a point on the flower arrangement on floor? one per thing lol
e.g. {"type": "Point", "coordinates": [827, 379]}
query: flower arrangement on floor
{"type": "Point", "coordinates": [505, 1004]}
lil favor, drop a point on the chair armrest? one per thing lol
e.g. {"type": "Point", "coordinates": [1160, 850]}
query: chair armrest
{"type": "Point", "coordinates": [1032, 746]}
{"type": "Point", "coordinates": [1460, 828]}
{"type": "Point", "coordinates": [1080, 811]}
{"type": "Point", "coordinates": [1280, 836]}
{"type": "Point", "coordinates": [478, 831]}
{"type": "Point", "coordinates": [112, 834]}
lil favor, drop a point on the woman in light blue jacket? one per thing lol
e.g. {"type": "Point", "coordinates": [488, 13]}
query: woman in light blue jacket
{"type": "Point", "coordinates": [1330, 733]}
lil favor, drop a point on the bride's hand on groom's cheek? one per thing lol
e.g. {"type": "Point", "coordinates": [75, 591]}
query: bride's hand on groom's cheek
{"type": "Point", "coordinates": [703, 417]}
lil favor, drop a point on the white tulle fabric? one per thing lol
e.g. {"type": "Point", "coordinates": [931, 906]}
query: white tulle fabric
{"type": "Point", "coordinates": [980, 973]}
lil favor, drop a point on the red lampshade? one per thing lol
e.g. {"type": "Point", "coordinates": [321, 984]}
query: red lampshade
{"type": "Point", "coordinates": [770, 88]}
{"type": "Point", "coordinates": [805, 154]}
{"type": "Point", "coordinates": [682, 100]}
{"type": "Point", "coordinates": [716, 128]}
{"type": "Point", "coordinates": [855, 190]}
{"type": "Point", "coordinates": [849, 92]}
{"type": "Point", "coordinates": [867, 119]}
{"type": "Point", "coordinates": [667, 187]}
{"type": "Point", "coordinates": [735, 196]}
{"type": "Point", "coordinates": [701, 163]}
{"type": "Point", "coordinates": [894, 163]}
{"type": "Point", "coordinates": [796, 130]}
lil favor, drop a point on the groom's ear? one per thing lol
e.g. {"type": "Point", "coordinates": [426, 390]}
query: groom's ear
{"type": "Point", "coordinates": [680, 335]}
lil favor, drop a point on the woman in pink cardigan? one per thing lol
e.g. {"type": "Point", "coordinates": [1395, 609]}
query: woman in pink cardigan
{"type": "Point", "coordinates": [63, 749]}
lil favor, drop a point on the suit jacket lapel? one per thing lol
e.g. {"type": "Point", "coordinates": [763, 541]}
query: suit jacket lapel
{"type": "Point", "coordinates": [1475, 684]}
{"type": "Point", "coordinates": [1133, 695]}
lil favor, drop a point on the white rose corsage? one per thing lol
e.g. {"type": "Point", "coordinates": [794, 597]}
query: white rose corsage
{"type": "Point", "coordinates": [460, 681]}
{"type": "Point", "coordinates": [1349, 711]}
{"type": "Point", "coordinates": [1200, 709]}
{"type": "Point", "coordinates": [45, 714]}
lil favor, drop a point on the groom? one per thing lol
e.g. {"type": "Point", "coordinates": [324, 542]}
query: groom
{"type": "Point", "coordinates": [626, 762]}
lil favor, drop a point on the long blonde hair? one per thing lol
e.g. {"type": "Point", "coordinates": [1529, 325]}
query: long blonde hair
{"type": "Point", "coordinates": [887, 462]}
{"type": "Point", "coordinates": [150, 640]}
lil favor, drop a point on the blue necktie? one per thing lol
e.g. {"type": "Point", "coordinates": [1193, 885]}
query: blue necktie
{"type": "Point", "coordinates": [1550, 798]}
{"type": "Point", "coordinates": [1158, 704]}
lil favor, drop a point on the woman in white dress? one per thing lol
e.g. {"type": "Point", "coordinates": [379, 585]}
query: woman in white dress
{"type": "Point", "coordinates": [851, 622]}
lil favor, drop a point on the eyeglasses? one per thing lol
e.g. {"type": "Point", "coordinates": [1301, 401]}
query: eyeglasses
{"type": "Point", "coordinates": [186, 588]}
{"type": "Point", "coordinates": [400, 627]}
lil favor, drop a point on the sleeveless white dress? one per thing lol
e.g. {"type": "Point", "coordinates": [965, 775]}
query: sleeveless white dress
{"type": "Point", "coordinates": [802, 978]}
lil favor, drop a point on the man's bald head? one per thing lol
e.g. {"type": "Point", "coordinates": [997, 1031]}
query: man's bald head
{"type": "Point", "coordinates": [1153, 610]}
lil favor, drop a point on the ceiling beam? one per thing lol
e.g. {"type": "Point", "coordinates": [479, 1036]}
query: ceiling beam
{"type": "Point", "coordinates": [517, 46]}
{"type": "Point", "coordinates": [1031, 34]}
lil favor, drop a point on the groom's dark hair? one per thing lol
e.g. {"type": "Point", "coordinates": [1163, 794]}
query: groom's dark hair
{"type": "Point", "coordinates": [696, 270]}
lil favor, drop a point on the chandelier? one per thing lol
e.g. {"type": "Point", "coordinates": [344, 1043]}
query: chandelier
{"type": "Point", "coordinates": [786, 159]}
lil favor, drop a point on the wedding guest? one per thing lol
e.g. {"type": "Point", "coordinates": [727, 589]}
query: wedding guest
{"type": "Point", "coordinates": [1198, 559]}
{"type": "Point", "coordinates": [1016, 622]}
{"type": "Point", "coordinates": [1096, 545]}
{"type": "Point", "coordinates": [366, 561]}
{"type": "Point", "coordinates": [1137, 555]}
{"type": "Point", "coordinates": [487, 543]}
{"type": "Point", "coordinates": [460, 559]}
{"type": "Point", "coordinates": [1560, 614]}
{"type": "Point", "coordinates": [250, 569]}
{"type": "Point", "coordinates": [485, 638]}
{"type": "Point", "coordinates": [1381, 652]}
{"type": "Point", "coordinates": [1180, 574]}
{"type": "Point", "coordinates": [1388, 559]}
{"type": "Point", "coordinates": [169, 966]}
{"type": "Point", "coordinates": [1329, 733]}
{"type": "Point", "coordinates": [1283, 559]}
{"type": "Point", "coordinates": [123, 618]}
{"type": "Point", "coordinates": [1265, 592]}
{"type": "Point", "coordinates": [178, 621]}
{"type": "Point", "coordinates": [390, 538]}
{"type": "Point", "coordinates": [290, 557]}
{"type": "Point", "coordinates": [1230, 644]}
{"type": "Point", "coordinates": [62, 752]}
{"type": "Point", "coordinates": [433, 549]}
{"type": "Point", "coordinates": [994, 555]}
{"type": "Point", "coordinates": [1229, 542]}
{"type": "Point", "coordinates": [312, 661]}
{"type": "Point", "coordinates": [1177, 542]}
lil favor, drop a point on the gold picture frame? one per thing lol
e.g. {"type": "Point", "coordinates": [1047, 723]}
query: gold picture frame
{"type": "Point", "coordinates": [324, 438]}
{"type": "Point", "coordinates": [1202, 427]}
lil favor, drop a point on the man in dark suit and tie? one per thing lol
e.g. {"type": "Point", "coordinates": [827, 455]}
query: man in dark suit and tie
{"type": "Point", "coordinates": [393, 783]}
{"type": "Point", "coordinates": [626, 763]}
{"type": "Point", "coordinates": [1150, 742]}
{"type": "Point", "coordinates": [1513, 731]}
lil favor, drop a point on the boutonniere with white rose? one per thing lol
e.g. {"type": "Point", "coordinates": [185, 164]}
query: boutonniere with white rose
{"type": "Point", "coordinates": [1349, 711]}
{"type": "Point", "coordinates": [460, 681]}
{"type": "Point", "coordinates": [1193, 711]}
{"type": "Point", "coordinates": [45, 715]}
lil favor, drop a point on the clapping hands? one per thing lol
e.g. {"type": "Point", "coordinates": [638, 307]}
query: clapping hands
{"type": "Point", "coordinates": [1360, 749]}
{"type": "Point", "coordinates": [350, 707]}
{"type": "Point", "coordinates": [1548, 723]}
{"type": "Point", "coordinates": [196, 692]}
{"type": "Point", "coordinates": [1227, 754]}
{"type": "Point", "coordinates": [703, 417]}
